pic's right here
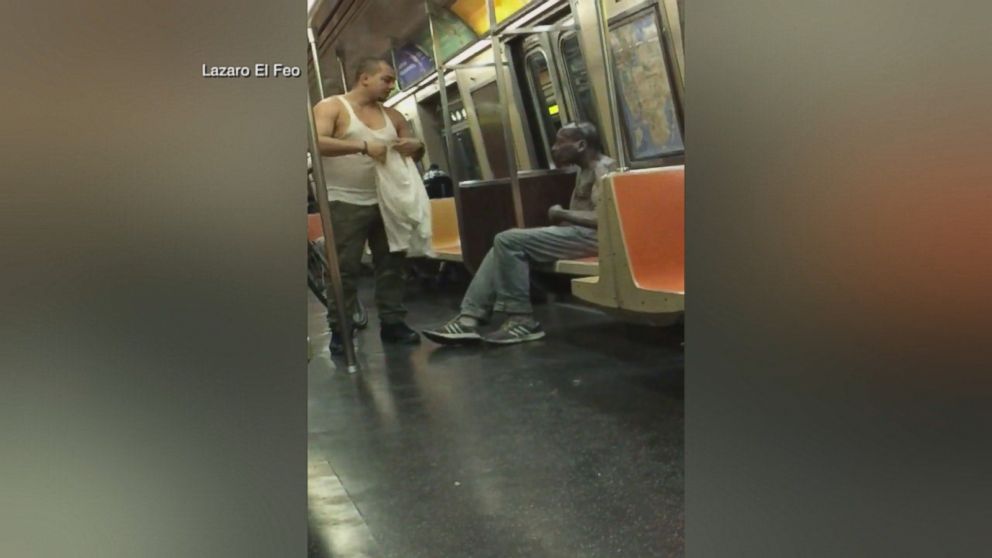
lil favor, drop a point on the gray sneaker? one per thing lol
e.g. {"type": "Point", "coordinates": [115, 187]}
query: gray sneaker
{"type": "Point", "coordinates": [452, 333]}
{"type": "Point", "coordinates": [516, 330]}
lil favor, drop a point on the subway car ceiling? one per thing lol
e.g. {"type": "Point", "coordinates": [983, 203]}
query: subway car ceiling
{"type": "Point", "coordinates": [556, 74]}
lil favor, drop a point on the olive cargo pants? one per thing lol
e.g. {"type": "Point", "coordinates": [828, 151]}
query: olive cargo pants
{"type": "Point", "coordinates": [354, 225]}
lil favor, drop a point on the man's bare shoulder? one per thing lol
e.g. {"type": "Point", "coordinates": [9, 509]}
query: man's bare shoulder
{"type": "Point", "coordinates": [330, 106]}
{"type": "Point", "coordinates": [394, 115]}
{"type": "Point", "coordinates": [331, 117]}
{"type": "Point", "coordinates": [605, 165]}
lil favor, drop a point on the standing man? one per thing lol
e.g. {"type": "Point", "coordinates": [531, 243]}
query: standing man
{"type": "Point", "coordinates": [502, 283]}
{"type": "Point", "coordinates": [354, 132]}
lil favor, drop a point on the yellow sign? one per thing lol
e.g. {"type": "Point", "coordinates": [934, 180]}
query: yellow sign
{"type": "Point", "coordinates": [553, 110]}
{"type": "Point", "coordinates": [476, 12]}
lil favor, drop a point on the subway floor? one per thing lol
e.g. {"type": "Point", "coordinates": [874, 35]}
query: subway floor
{"type": "Point", "coordinates": [571, 446]}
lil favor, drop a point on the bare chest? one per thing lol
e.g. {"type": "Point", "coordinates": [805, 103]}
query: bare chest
{"type": "Point", "coordinates": [371, 117]}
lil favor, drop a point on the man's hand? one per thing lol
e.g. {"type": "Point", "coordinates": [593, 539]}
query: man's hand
{"type": "Point", "coordinates": [555, 213]}
{"type": "Point", "coordinates": [407, 147]}
{"type": "Point", "coordinates": [377, 150]}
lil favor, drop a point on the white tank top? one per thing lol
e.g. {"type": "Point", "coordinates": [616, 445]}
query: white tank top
{"type": "Point", "coordinates": [351, 178]}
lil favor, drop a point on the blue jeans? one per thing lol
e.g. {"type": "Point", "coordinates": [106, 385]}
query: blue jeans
{"type": "Point", "coordinates": [502, 283]}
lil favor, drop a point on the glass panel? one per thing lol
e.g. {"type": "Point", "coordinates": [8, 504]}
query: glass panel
{"type": "Point", "coordinates": [644, 89]}
{"type": "Point", "coordinates": [547, 101]}
{"type": "Point", "coordinates": [466, 160]}
{"type": "Point", "coordinates": [464, 157]}
{"type": "Point", "coordinates": [490, 115]}
{"type": "Point", "coordinates": [578, 78]}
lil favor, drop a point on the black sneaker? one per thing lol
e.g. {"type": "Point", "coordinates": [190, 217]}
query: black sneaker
{"type": "Point", "coordinates": [453, 332]}
{"type": "Point", "coordinates": [516, 330]}
{"type": "Point", "coordinates": [398, 333]}
{"type": "Point", "coordinates": [337, 342]}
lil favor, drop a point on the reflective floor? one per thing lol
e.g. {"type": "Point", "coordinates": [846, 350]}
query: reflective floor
{"type": "Point", "coordinates": [571, 446]}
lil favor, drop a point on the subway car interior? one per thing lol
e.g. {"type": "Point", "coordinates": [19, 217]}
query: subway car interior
{"type": "Point", "coordinates": [570, 444]}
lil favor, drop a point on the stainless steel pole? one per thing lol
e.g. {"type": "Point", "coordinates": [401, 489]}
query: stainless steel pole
{"type": "Point", "coordinates": [443, 90]}
{"type": "Point", "coordinates": [315, 60]}
{"type": "Point", "coordinates": [344, 73]}
{"type": "Point", "coordinates": [504, 101]}
{"type": "Point", "coordinates": [611, 89]}
{"type": "Point", "coordinates": [392, 58]}
{"type": "Point", "coordinates": [330, 247]}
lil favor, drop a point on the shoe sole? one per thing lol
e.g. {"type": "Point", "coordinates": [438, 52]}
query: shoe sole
{"type": "Point", "coordinates": [524, 339]}
{"type": "Point", "coordinates": [452, 338]}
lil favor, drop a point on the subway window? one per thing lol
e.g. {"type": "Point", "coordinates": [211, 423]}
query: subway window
{"type": "Point", "coordinates": [544, 94]}
{"type": "Point", "coordinates": [578, 79]}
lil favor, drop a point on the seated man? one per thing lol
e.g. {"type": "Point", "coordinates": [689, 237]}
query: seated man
{"type": "Point", "coordinates": [437, 182]}
{"type": "Point", "coordinates": [502, 283]}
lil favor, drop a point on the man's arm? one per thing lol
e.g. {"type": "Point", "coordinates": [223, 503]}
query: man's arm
{"type": "Point", "coordinates": [408, 145]}
{"type": "Point", "coordinates": [584, 218]}
{"type": "Point", "coordinates": [325, 116]}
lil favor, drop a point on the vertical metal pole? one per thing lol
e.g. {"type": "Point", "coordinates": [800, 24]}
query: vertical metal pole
{"type": "Point", "coordinates": [443, 90]}
{"type": "Point", "coordinates": [344, 73]}
{"type": "Point", "coordinates": [504, 101]}
{"type": "Point", "coordinates": [392, 58]}
{"type": "Point", "coordinates": [319, 75]}
{"type": "Point", "coordinates": [611, 89]}
{"type": "Point", "coordinates": [330, 247]}
{"type": "Point", "coordinates": [396, 67]}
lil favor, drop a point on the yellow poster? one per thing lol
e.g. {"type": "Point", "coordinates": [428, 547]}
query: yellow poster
{"type": "Point", "coordinates": [476, 12]}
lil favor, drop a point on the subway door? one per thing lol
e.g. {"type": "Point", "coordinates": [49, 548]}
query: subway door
{"type": "Point", "coordinates": [461, 160]}
{"type": "Point", "coordinates": [463, 153]}
{"type": "Point", "coordinates": [486, 121]}
{"type": "Point", "coordinates": [430, 127]}
{"type": "Point", "coordinates": [485, 112]}
{"type": "Point", "coordinates": [540, 87]}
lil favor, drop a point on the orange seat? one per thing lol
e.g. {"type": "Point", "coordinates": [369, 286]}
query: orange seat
{"type": "Point", "coordinates": [641, 272]}
{"type": "Point", "coordinates": [651, 213]}
{"type": "Point", "coordinates": [444, 229]}
{"type": "Point", "coordinates": [444, 222]}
